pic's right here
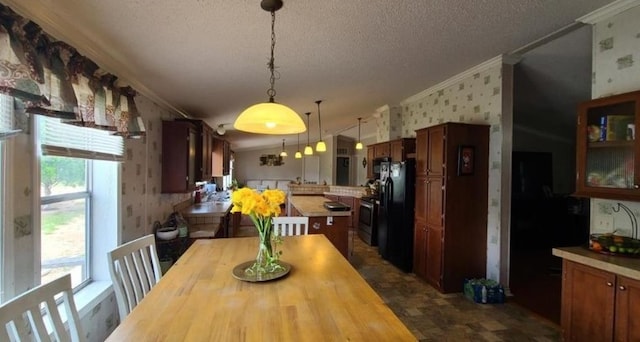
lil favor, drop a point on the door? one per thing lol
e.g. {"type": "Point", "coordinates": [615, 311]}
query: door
{"type": "Point", "coordinates": [311, 169]}
{"type": "Point", "coordinates": [370, 157]}
{"type": "Point", "coordinates": [342, 171]}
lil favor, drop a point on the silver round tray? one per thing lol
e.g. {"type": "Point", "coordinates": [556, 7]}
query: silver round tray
{"type": "Point", "coordinates": [239, 272]}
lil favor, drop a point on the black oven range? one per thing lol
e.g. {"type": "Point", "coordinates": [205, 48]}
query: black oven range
{"type": "Point", "coordinates": [368, 220]}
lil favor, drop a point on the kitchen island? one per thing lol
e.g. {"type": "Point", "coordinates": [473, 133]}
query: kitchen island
{"type": "Point", "coordinates": [333, 224]}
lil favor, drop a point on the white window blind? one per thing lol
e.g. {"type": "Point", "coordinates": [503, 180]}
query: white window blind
{"type": "Point", "coordinates": [64, 140]}
{"type": "Point", "coordinates": [6, 117]}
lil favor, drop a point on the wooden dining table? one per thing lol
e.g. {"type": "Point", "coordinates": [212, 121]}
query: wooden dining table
{"type": "Point", "coordinates": [322, 298]}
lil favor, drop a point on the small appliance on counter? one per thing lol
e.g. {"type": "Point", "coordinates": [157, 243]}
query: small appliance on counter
{"type": "Point", "coordinates": [336, 206]}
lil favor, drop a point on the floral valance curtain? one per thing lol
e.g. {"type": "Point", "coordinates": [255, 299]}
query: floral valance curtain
{"type": "Point", "coordinates": [54, 80]}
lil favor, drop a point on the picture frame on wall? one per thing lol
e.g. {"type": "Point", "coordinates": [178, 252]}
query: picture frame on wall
{"type": "Point", "coordinates": [466, 160]}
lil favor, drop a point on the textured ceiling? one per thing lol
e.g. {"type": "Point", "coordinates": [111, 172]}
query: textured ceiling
{"type": "Point", "coordinates": [208, 58]}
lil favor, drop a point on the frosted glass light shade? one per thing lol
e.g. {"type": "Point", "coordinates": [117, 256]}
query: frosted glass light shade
{"type": "Point", "coordinates": [308, 151]}
{"type": "Point", "coordinates": [359, 146]}
{"type": "Point", "coordinates": [269, 118]}
{"type": "Point", "coordinates": [298, 155]}
{"type": "Point", "coordinates": [321, 146]}
{"type": "Point", "coordinates": [283, 154]}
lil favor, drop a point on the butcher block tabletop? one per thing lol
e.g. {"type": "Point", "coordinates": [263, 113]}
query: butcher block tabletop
{"type": "Point", "coordinates": [323, 298]}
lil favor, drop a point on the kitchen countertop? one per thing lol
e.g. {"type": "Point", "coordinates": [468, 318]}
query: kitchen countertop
{"type": "Point", "coordinates": [311, 206]}
{"type": "Point", "coordinates": [625, 266]}
{"type": "Point", "coordinates": [207, 209]}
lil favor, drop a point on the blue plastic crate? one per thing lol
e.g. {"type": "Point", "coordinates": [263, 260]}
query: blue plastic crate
{"type": "Point", "coordinates": [484, 291]}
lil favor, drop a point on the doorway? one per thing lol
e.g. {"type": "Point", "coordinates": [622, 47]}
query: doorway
{"type": "Point", "coordinates": [343, 171]}
{"type": "Point", "coordinates": [549, 82]}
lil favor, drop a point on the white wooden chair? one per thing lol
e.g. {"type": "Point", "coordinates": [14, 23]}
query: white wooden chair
{"type": "Point", "coordinates": [21, 318]}
{"type": "Point", "coordinates": [134, 269]}
{"type": "Point", "coordinates": [290, 225]}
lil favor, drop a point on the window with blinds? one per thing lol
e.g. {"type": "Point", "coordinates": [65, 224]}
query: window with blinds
{"type": "Point", "coordinates": [64, 140]}
{"type": "Point", "coordinates": [6, 117]}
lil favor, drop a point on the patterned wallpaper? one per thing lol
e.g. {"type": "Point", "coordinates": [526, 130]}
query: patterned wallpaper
{"type": "Point", "coordinates": [142, 202]}
{"type": "Point", "coordinates": [476, 99]}
{"type": "Point", "coordinates": [616, 70]}
{"type": "Point", "coordinates": [616, 54]}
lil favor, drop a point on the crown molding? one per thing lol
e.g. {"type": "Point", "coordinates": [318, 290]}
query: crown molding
{"type": "Point", "coordinates": [493, 62]}
{"type": "Point", "coordinates": [91, 47]}
{"type": "Point", "coordinates": [608, 11]}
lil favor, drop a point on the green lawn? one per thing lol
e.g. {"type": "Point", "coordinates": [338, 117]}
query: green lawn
{"type": "Point", "coordinates": [51, 221]}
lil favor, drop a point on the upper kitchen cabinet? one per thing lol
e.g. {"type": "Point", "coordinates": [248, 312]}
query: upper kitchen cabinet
{"type": "Point", "coordinates": [179, 140]}
{"type": "Point", "coordinates": [370, 157]}
{"type": "Point", "coordinates": [204, 149]}
{"type": "Point", "coordinates": [607, 147]}
{"type": "Point", "coordinates": [221, 157]}
{"type": "Point", "coordinates": [401, 148]}
{"type": "Point", "coordinates": [430, 152]}
{"type": "Point", "coordinates": [397, 150]}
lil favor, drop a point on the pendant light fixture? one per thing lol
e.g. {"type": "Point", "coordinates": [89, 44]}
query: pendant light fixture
{"type": "Point", "coordinates": [308, 150]}
{"type": "Point", "coordinates": [283, 153]}
{"type": "Point", "coordinates": [320, 146]}
{"type": "Point", "coordinates": [359, 143]}
{"type": "Point", "coordinates": [270, 117]}
{"type": "Point", "coordinates": [298, 154]}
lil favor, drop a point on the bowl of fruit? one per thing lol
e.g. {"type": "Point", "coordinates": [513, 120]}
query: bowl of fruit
{"type": "Point", "coordinates": [612, 244]}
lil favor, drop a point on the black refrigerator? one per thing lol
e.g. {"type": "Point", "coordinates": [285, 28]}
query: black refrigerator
{"type": "Point", "coordinates": [395, 213]}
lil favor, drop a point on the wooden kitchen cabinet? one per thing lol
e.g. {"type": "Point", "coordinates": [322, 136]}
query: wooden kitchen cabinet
{"type": "Point", "coordinates": [382, 150]}
{"type": "Point", "coordinates": [179, 139]}
{"type": "Point", "coordinates": [204, 149]}
{"type": "Point", "coordinates": [430, 151]}
{"type": "Point", "coordinates": [598, 305]}
{"type": "Point", "coordinates": [371, 155]}
{"type": "Point", "coordinates": [221, 157]}
{"type": "Point", "coordinates": [401, 148]}
{"type": "Point", "coordinates": [450, 209]}
{"type": "Point", "coordinates": [607, 159]}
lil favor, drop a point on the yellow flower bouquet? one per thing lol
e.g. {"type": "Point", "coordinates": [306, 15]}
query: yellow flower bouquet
{"type": "Point", "coordinates": [261, 207]}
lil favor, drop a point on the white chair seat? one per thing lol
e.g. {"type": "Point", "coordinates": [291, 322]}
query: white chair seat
{"type": "Point", "coordinates": [291, 225]}
{"type": "Point", "coordinates": [134, 269]}
{"type": "Point", "coordinates": [21, 318]}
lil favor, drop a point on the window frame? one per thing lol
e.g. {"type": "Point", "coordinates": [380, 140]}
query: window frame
{"type": "Point", "coordinates": [86, 194]}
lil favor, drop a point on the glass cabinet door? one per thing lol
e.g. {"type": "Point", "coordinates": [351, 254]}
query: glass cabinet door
{"type": "Point", "coordinates": [606, 149]}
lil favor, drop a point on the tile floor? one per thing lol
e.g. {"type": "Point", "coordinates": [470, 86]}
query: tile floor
{"type": "Point", "coordinates": [433, 316]}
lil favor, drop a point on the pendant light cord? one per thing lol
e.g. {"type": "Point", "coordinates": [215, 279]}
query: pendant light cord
{"type": "Point", "coordinates": [272, 80]}
{"type": "Point", "coordinates": [319, 122]}
{"type": "Point", "coordinates": [308, 126]}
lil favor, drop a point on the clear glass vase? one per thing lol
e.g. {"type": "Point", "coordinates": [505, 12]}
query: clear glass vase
{"type": "Point", "coordinates": [267, 257]}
